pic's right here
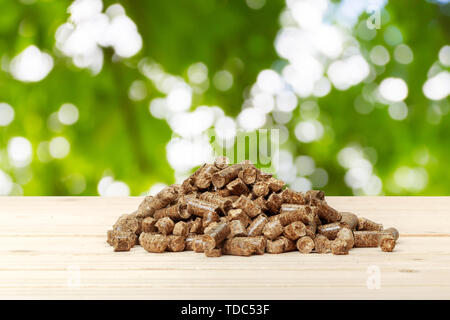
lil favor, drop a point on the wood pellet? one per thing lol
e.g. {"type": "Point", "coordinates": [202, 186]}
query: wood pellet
{"type": "Point", "coordinates": [237, 209]}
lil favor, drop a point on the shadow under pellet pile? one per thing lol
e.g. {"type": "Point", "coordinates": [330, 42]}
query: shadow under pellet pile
{"type": "Point", "coordinates": [240, 210]}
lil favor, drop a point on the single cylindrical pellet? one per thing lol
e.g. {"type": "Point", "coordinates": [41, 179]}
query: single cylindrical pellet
{"type": "Point", "coordinates": [248, 206]}
{"type": "Point", "coordinates": [275, 246]}
{"type": "Point", "coordinates": [248, 174]}
{"type": "Point", "coordinates": [225, 176]}
{"type": "Point", "coordinates": [261, 202]}
{"type": "Point", "coordinates": [244, 246]}
{"type": "Point", "coordinates": [175, 212]}
{"type": "Point", "coordinates": [199, 207]}
{"type": "Point", "coordinates": [213, 239]}
{"type": "Point", "coordinates": [123, 240]}
{"type": "Point", "coordinates": [295, 212]}
{"type": "Point", "coordinates": [293, 197]}
{"type": "Point", "coordinates": [289, 245]}
{"type": "Point", "coordinates": [223, 203]}
{"type": "Point", "coordinates": [181, 228]}
{"type": "Point", "coordinates": [203, 180]}
{"type": "Point", "coordinates": [237, 229]}
{"type": "Point", "coordinates": [310, 230]}
{"type": "Point", "coordinates": [148, 224]}
{"type": "Point", "coordinates": [294, 230]}
{"type": "Point", "coordinates": [256, 227]}
{"type": "Point", "coordinates": [274, 203]}
{"type": "Point", "coordinates": [322, 244]}
{"type": "Point", "coordinates": [260, 189]}
{"type": "Point", "coordinates": [339, 247]}
{"type": "Point", "coordinates": [326, 212]}
{"type": "Point", "coordinates": [221, 162]}
{"type": "Point", "coordinates": [305, 244]}
{"type": "Point", "coordinates": [161, 200]}
{"type": "Point", "coordinates": [165, 225]}
{"type": "Point", "coordinates": [153, 242]}
{"type": "Point", "coordinates": [366, 238]}
{"type": "Point", "coordinates": [239, 214]}
{"type": "Point", "coordinates": [127, 222]}
{"type": "Point", "coordinates": [238, 187]}
{"type": "Point", "coordinates": [176, 243]}
{"type": "Point", "coordinates": [275, 185]}
{"type": "Point", "coordinates": [368, 225]}
{"type": "Point", "coordinates": [217, 252]}
{"type": "Point", "coordinates": [387, 242]}
{"type": "Point", "coordinates": [330, 230]}
{"type": "Point", "coordinates": [272, 229]}
{"type": "Point", "coordinates": [346, 235]}
{"type": "Point", "coordinates": [394, 232]}
{"type": "Point", "coordinates": [349, 219]}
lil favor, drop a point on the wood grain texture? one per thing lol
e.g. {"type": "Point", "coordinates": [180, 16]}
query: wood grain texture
{"type": "Point", "coordinates": [54, 248]}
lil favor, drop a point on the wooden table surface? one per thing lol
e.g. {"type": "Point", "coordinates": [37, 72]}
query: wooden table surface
{"type": "Point", "coordinates": [54, 248]}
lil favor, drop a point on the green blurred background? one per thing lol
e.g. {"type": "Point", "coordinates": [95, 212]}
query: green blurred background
{"type": "Point", "coordinates": [83, 110]}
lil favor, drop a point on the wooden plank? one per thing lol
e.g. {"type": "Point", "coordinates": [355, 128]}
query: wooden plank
{"type": "Point", "coordinates": [47, 244]}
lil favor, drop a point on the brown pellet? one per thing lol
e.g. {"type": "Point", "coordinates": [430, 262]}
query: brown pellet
{"type": "Point", "coordinates": [175, 212]}
{"type": "Point", "coordinates": [176, 243]}
{"type": "Point", "coordinates": [181, 228]}
{"type": "Point", "coordinates": [349, 219]}
{"type": "Point", "coordinates": [387, 242]}
{"type": "Point", "coordinates": [289, 245]}
{"type": "Point", "coordinates": [203, 179]}
{"type": "Point", "coordinates": [248, 174]}
{"type": "Point", "coordinates": [217, 252]}
{"type": "Point", "coordinates": [153, 242]}
{"type": "Point", "coordinates": [221, 162]}
{"type": "Point", "coordinates": [257, 225]}
{"type": "Point", "coordinates": [127, 222]}
{"type": "Point", "coordinates": [305, 244]}
{"type": "Point", "coordinates": [322, 244]}
{"type": "Point", "coordinates": [161, 200]}
{"type": "Point", "coordinates": [223, 203]}
{"type": "Point", "coordinates": [326, 212]}
{"type": "Point", "coordinates": [339, 247]}
{"type": "Point", "coordinates": [274, 203]}
{"type": "Point", "coordinates": [293, 197]}
{"type": "Point", "coordinates": [214, 238]}
{"type": "Point", "coordinates": [275, 246]}
{"type": "Point", "coordinates": [272, 229]}
{"type": "Point", "coordinates": [244, 246]}
{"type": "Point", "coordinates": [165, 225]}
{"type": "Point", "coordinates": [123, 240]}
{"type": "Point", "coordinates": [262, 203]}
{"type": "Point", "coordinates": [199, 207]}
{"type": "Point", "coordinates": [238, 187]}
{"type": "Point", "coordinates": [330, 230]}
{"type": "Point", "coordinates": [239, 214]}
{"type": "Point", "coordinates": [248, 206]}
{"type": "Point", "coordinates": [294, 230]}
{"type": "Point", "coordinates": [237, 229]}
{"type": "Point", "coordinates": [346, 235]}
{"type": "Point", "coordinates": [260, 189]}
{"type": "Point", "coordinates": [148, 224]}
{"type": "Point", "coordinates": [225, 176]}
{"type": "Point", "coordinates": [366, 238]}
{"type": "Point", "coordinates": [198, 244]}
{"type": "Point", "coordinates": [394, 232]}
{"type": "Point", "coordinates": [295, 212]}
{"type": "Point", "coordinates": [275, 185]}
{"type": "Point", "coordinates": [368, 225]}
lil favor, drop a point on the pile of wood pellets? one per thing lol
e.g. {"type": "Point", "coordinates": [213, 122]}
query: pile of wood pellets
{"type": "Point", "coordinates": [240, 210]}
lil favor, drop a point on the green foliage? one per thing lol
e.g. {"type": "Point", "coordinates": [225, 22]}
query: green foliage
{"type": "Point", "coordinates": [119, 136]}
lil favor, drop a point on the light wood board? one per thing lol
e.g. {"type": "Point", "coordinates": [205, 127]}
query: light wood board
{"type": "Point", "coordinates": [54, 248]}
